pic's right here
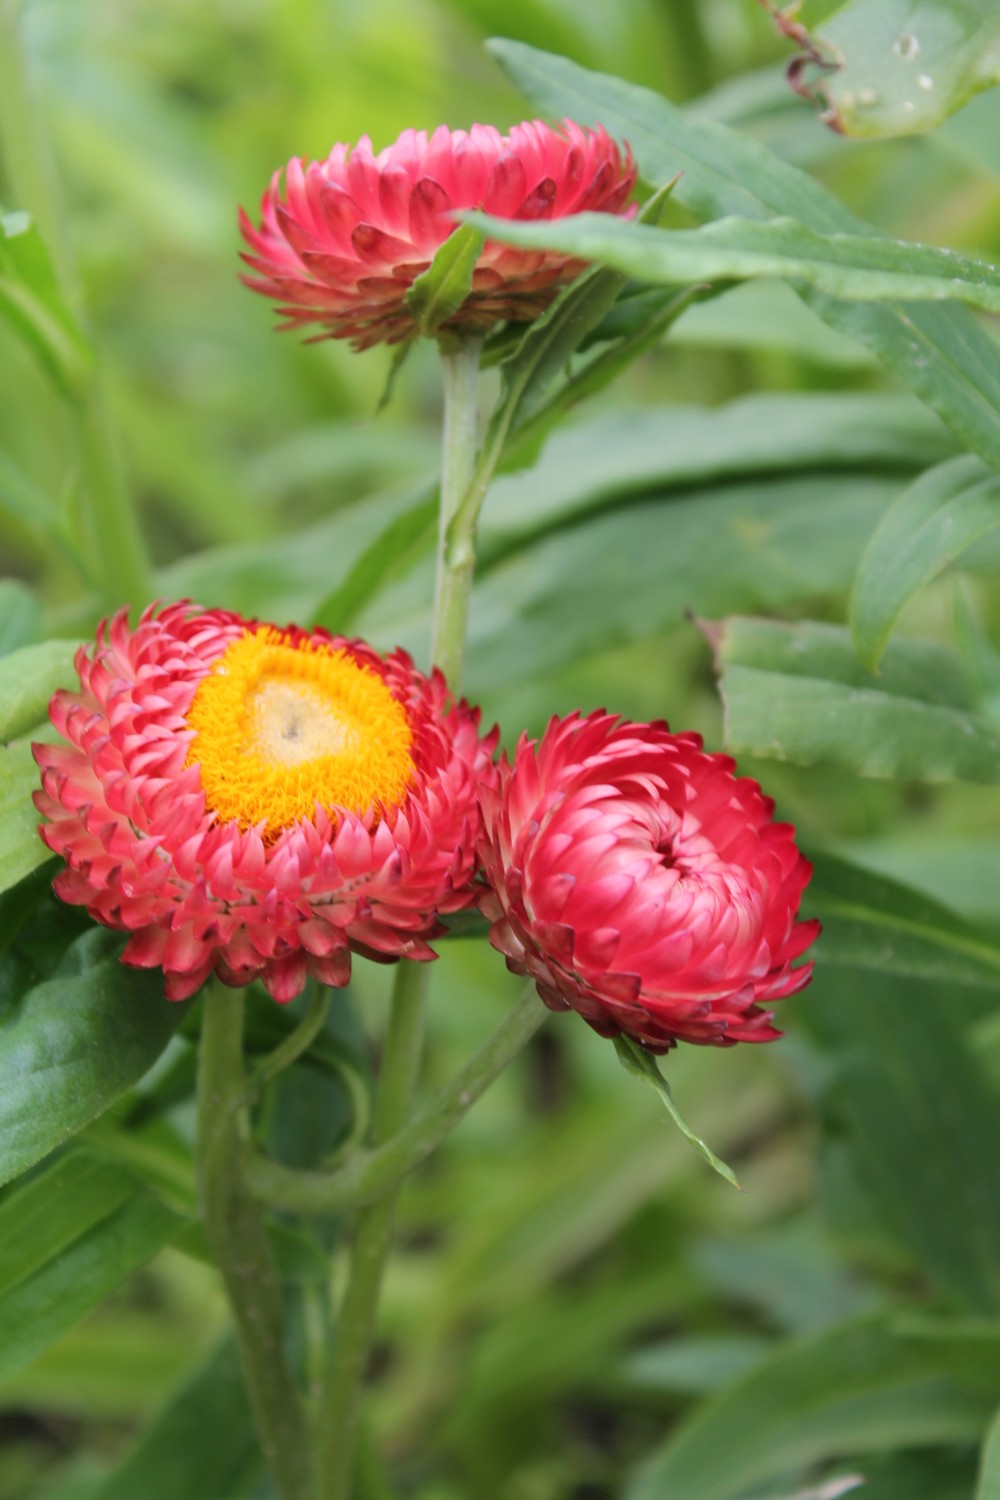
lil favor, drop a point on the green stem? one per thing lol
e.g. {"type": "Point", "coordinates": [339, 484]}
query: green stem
{"type": "Point", "coordinates": [294, 1044]}
{"type": "Point", "coordinates": [456, 535]}
{"type": "Point", "coordinates": [114, 543]}
{"type": "Point", "coordinates": [338, 1419]}
{"type": "Point", "coordinates": [369, 1174]}
{"type": "Point", "coordinates": [236, 1237]}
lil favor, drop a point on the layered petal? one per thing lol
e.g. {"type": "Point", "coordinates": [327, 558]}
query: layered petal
{"type": "Point", "coordinates": [340, 243]}
{"type": "Point", "coordinates": [259, 803]}
{"type": "Point", "coordinates": [637, 880]}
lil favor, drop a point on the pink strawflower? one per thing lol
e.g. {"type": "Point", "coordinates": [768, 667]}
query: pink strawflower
{"type": "Point", "coordinates": [257, 803]}
{"type": "Point", "coordinates": [638, 881]}
{"type": "Point", "coordinates": [341, 246]}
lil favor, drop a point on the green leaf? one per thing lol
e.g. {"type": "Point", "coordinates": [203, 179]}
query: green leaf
{"type": "Point", "coordinates": [28, 678]}
{"type": "Point", "coordinates": [21, 849]}
{"type": "Point", "coordinates": [33, 304]}
{"type": "Point", "coordinates": [641, 1064]}
{"type": "Point", "coordinates": [941, 1474]}
{"type": "Point", "coordinates": [545, 349]}
{"type": "Point", "coordinates": [153, 1151]}
{"type": "Point", "coordinates": [930, 525]}
{"type": "Point", "coordinates": [288, 576]}
{"type": "Point", "coordinates": [108, 1368]}
{"type": "Point", "coordinates": [642, 567]}
{"type": "Point", "coordinates": [850, 266]}
{"type": "Point", "coordinates": [542, 354]}
{"type": "Point", "coordinates": [856, 1388]}
{"type": "Point", "coordinates": [911, 1104]}
{"type": "Point", "coordinates": [897, 67]}
{"type": "Point", "coordinates": [767, 315]}
{"type": "Point", "coordinates": [798, 693]}
{"type": "Point", "coordinates": [46, 1304]}
{"type": "Point", "coordinates": [39, 1219]}
{"type": "Point", "coordinates": [20, 901]}
{"type": "Point", "coordinates": [390, 555]}
{"type": "Point", "coordinates": [71, 1045]}
{"type": "Point", "coordinates": [615, 455]}
{"type": "Point", "coordinates": [172, 1458]}
{"type": "Point", "coordinates": [695, 1365]}
{"type": "Point", "coordinates": [988, 1482]}
{"type": "Point", "coordinates": [438, 293]}
{"type": "Point", "coordinates": [979, 656]}
{"type": "Point", "coordinates": [598, 370]}
{"type": "Point", "coordinates": [941, 353]}
{"type": "Point", "coordinates": [20, 615]}
{"type": "Point", "coordinates": [873, 923]}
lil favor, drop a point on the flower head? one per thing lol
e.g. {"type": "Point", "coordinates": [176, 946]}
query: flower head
{"type": "Point", "coordinates": [340, 247]}
{"type": "Point", "coordinates": [637, 880]}
{"type": "Point", "coordinates": [257, 802]}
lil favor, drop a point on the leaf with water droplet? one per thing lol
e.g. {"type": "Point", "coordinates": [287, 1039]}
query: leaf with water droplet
{"type": "Point", "coordinates": [876, 90]}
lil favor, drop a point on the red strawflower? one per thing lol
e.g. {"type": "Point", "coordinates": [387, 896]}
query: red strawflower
{"type": "Point", "coordinates": [257, 802]}
{"type": "Point", "coordinates": [342, 245]}
{"type": "Point", "coordinates": [637, 880]}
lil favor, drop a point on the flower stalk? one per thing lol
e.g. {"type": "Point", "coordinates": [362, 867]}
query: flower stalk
{"type": "Point", "coordinates": [369, 1174]}
{"type": "Point", "coordinates": [341, 1404]}
{"type": "Point", "coordinates": [236, 1237]}
{"type": "Point", "coordinates": [456, 525]}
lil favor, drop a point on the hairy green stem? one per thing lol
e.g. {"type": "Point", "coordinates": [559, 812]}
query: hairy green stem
{"type": "Point", "coordinates": [456, 542]}
{"type": "Point", "coordinates": [294, 1044]}
{"type": "Point", "coordinates": [114, 543]}
{"type": "Point", "coordinates": [369, 1174]}
{"type": "Point", "coordinates": [338, 1419]}
{"type": "Point", "coordinates": [236, 1237]}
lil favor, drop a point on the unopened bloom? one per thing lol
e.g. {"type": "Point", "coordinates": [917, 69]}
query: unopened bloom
{"type": "Point", "coordinates": [341, 245]}
{"type": "Point", "coordinates": [638, 881]}
{"type": "Point", "coordinates": [257, 802]}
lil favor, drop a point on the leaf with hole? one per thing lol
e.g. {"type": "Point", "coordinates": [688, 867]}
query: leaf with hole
{"type": "Point", "coordinates": [898, 67]}
{"type": "Point", "coordinates": [940, 352]}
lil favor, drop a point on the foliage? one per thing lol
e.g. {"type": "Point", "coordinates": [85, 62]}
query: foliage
{"type": "Point", "coordinates": [800, 480]}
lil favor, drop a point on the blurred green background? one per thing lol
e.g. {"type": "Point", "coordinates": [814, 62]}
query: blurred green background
{"type": "Point", "coordinates": [572, 1282]}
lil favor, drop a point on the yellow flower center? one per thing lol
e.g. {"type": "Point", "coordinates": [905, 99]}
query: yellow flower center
{"type": "Point", "coordinates": [282, 727]}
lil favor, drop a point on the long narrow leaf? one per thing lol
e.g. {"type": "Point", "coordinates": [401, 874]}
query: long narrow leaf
{"type": "Point", "coordinates": [850, 266]}
{"type": "Point", "coordinates": [870, 922]}
{"type": "Point", "coordinates": [939, 351]}
{"type": "Point", "coordinates": [642, 1065]}
{"type": "Point", "coordinates": [931, 524]}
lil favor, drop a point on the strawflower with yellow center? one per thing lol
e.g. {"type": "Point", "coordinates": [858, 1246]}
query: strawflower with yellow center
{"type": "Point", "coordinates": [259, 803]}
{"type": "Point", "coordinates": [281, 728]}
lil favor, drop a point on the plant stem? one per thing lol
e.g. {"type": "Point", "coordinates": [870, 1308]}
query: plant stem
{"type": "Point", "coordinates": [338, 1421]}
{"type": "Point", "coordinates": [114, 543]}
{"type": "Point", "coordinates": [369, 1174]}
{"type": "Point", "coordinates": [294, 1044]}
{"type": "Point", "coordinates": [456, 537]}
{"type": "Point", "coordinates": [236, 1237]}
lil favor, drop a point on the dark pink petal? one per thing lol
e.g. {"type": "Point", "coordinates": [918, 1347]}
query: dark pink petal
{"type": "Point", "coordinates": [642, 883]}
